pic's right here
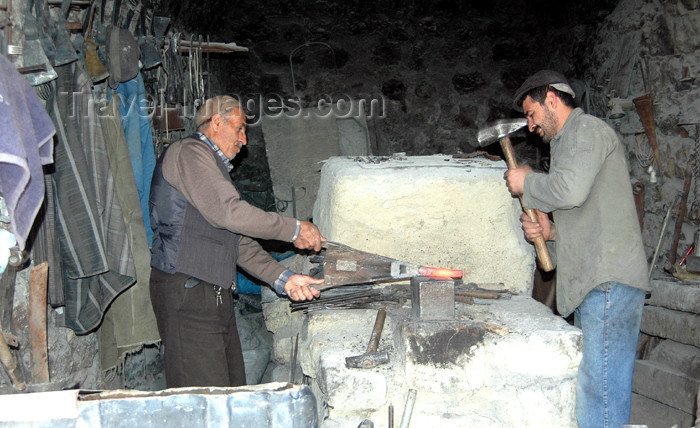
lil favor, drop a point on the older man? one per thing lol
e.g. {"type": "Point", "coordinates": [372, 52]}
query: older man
{"type": "Point", "coordinates": [202, 231]}
{"type": "Point", "coordinates": [601, 264]}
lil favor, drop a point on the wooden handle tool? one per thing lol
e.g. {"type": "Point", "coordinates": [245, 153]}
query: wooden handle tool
{"type": "Point", "coordinates": [540, 244]}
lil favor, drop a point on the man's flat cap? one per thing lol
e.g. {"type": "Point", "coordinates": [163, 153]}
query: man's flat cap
{"type": "Point", "coordinates": [542, 78]}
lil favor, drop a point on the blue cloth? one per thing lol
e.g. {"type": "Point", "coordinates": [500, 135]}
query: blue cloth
{"type": "Point", "coordinates": [25, 145]}
{"type": "Point", "coordinates": [249, 285]}
{"type": "Point", "coordinates": [609, 318]}
{"type": "Point", "coordinates": [139, 140]}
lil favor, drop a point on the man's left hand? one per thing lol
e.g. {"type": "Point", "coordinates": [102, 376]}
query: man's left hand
{"type": "Point", "coordinates": [515, 179]}
{"type": "Point", "coordinates": [298, 287]}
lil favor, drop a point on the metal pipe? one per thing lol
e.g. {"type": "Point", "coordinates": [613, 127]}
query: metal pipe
{"type": "Point", "coordinates": [661, 236]}
{"type": "Point", "coordinates": [408, 408]}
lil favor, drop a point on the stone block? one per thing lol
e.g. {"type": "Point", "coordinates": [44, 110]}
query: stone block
{"type": "Point", "coordinates": [675, 295]}
{"type": "Point", "coordinates": [678, 326]}
{"type": "Point", "coordinates": [283, 348]}
{"type": "Point", "coordinates": [255, 361]}
{"type": "Point", "coordinates": [363, 390]}
{"type": "Point", "coordinates": [431, 211]}
{"type": "Point", "coordinates": [279, 317]}
{"type": "Point", "coordinates": [466, 374]}
{"type": "Point", "coordinates": [680, 357]}
{"type": "Point", "coordinates": [653, 414]}
{"type": "Point", "coordinates": [665, 385]}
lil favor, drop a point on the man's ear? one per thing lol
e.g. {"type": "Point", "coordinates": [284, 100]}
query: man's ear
{"type": "Point", "coordinates": [551, 99]}
{"type": "Point", "coordinates": [217, 121]}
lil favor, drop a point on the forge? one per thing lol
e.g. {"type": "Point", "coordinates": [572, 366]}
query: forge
{"type": "Point", "coordinates": [476, 351]}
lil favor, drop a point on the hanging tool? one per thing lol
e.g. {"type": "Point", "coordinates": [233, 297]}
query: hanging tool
{"type": "Point", "coordinates": [65, 52]}
{"type": "Point", "coordinates": [645, 109]}
{"type": "Point", "coordinates": [35, 64]}
{"type": "Point", "coordinates": [95, 67]}
{"type": "Point", "coordinates": [46, 30]}
{"type": "Point", "coordinates": [150, 54]}
{"type": "Point", "coordinates": [692, 259]}
{"type": "Point", "coordinates": [371, 358]}
{"type": "Point", "coordinates": [682, 205]}
{"type": "Point", "coordinates": [661, 235]}
{"type": "Point", "coordinates": [638, 191]}
{"type": "Point", "coordinates": [340, 264]}
{"type": "Point", "coordinates": [501, 131]}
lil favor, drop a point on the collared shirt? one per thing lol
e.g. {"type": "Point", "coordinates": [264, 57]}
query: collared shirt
{"type": "Point", "coordinates": [588, 190]}
{"type": "Point", "coordinates": [215, 149]}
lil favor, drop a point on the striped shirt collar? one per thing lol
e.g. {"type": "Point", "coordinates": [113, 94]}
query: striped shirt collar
{"type": "Point", "coordinates": [215, 149]}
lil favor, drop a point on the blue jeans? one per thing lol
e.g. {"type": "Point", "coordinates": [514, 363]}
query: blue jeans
{"type": "Point", "coordinates": [609, 318]}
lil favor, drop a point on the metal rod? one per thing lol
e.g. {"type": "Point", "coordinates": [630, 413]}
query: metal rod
{"type": "Point", "coordinates": [408, 408]}
{"type": "Point", "coordinates": [81, 3]}
{"type": "Point", "coordinates": [391, 416]}
{"type": "Point", "coordinates": [661, 236]}
{"type": "Point", "coordinates": [335, 299]}
{"type": "Point", "coordinates": [294, 359]}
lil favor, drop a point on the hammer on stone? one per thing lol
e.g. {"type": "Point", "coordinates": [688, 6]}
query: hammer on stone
{"type": "Point", "coordinates": [371, 358]}
{"type": "Point", "coordinates": [501, 131]}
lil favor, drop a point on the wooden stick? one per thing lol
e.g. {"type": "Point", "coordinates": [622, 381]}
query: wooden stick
{"type": "Point", "coordinates": [37, 323]}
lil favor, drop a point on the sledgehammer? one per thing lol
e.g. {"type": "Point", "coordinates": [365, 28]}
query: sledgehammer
{"type": "Point", "coordinates": [371, 358]}
{"type": "Point", "coordinates": [501, 131]}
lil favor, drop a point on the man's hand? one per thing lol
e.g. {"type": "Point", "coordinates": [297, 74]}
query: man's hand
{"type": "Point", "coordinates": [309, 237]}
{"type": "Point", "coordinates": [298, 287]}
{"type": "Point", "coordinates": [515, 179]}
{"type": "Point", "coordinates": [534, 230]}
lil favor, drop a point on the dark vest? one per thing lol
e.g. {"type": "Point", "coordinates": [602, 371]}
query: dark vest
{"type": "Point", "coordinates": [183, 241]}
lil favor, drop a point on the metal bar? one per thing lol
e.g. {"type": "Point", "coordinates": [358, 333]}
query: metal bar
{"type": "Point", "coordinates": [293, 360]}
{"type": "Point", "coordinates": [80, 3]}
{"type": "Point", "coordinates": [661, 235]}
{"type": "Point", "coordinates": [408, 408]}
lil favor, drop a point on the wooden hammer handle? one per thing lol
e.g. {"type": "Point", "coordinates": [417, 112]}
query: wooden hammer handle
{"type": "Point", "coordinates": [376, 332]}
{"type": "Point", "coordinates": [540, 245]}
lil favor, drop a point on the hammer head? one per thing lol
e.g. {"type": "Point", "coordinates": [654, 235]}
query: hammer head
{"type": "Point", "coordinates": [498, 130]}
{"type": "Point", "coordinates": [367, 360]}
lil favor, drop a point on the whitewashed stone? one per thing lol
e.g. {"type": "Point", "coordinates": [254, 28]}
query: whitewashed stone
{"type": "Point", "coordinates": [525, 377]}
{"type": "Point", "coordinates": [428, 210]}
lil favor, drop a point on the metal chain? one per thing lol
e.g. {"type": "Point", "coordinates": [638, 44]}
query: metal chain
{"type": "Point", "coordinates": [696, 163]}
{"type": "Point", "coordinates": [694, 213]}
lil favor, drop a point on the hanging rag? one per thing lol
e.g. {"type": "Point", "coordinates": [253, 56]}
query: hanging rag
{"type": "Point", "coordinates": [96, 256]}
{"type": "Point", "coordinates": [25, 145]}
{"type": "Point", "coordinates": [129, 323]}
{"type": "Point", "coordinates": [139, 139]}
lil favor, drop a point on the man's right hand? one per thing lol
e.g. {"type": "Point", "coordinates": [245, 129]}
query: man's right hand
{"type": "Point", "coordinates": [534, 230]}
{"type": "Point", "coordinates": [309, 237]}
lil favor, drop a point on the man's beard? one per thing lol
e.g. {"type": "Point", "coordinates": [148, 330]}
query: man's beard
{"type": "Point", "coordinates": [548, 125]}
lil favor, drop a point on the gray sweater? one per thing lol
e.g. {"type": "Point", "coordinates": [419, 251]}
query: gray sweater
{"type": "Point", "coordinates": [588, 190]}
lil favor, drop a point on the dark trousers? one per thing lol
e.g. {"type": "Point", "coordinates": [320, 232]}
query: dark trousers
{"type": "Point", "coordinates": [198, 330]}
